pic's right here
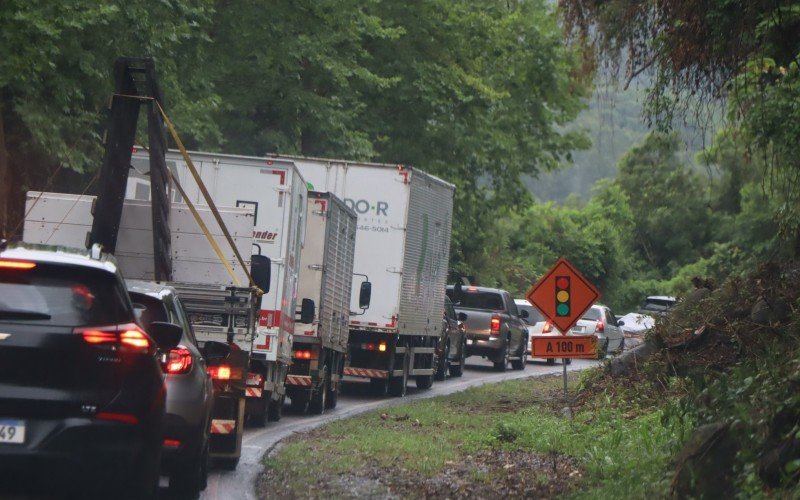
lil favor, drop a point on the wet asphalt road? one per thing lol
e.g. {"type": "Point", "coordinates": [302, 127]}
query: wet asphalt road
{"type": "Point", "coordinates": [355, 399]}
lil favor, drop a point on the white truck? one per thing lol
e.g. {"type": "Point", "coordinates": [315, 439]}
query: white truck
{"type": "Point", "coordinates": [278, 196]}
{"type": "Point", "coordinates": [326, 275]}
{"type": "Point", "coordinates": [220, 303]}
{"type": "Point", "coordinates": [402, 246]}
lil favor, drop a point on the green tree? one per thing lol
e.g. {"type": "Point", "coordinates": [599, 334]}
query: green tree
{"type": "Point", "coordinates": [55, 81]}
{"type": "Point", "coordinates": [668, 202]}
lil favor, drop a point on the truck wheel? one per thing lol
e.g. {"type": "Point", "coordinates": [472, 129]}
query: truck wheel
{"type": "Point", "coordinates": [227, 463]}
{"type": "Point", "coordinates": [333, 393]}
{"type": "Point", "coordinates": [257, 410]}
{"type": "Point", "coordinates": [501, 363]}
{"type": "Point", "coordinates": [378, 387]}
{"type": "Point", "coordinates": [275, 411]}
{"type": "Point", "coordinates": [398, 385]}
{"type": "Point", "coordinates": [319, 398]}
{"type": "Point", "coordinates": [443, 364]}
{"type": "Point", "coordinates": [299, 401]}
{"type": "Point", "coordinates": [424, 381]}
{"type": "Point", "coordinates": [458, 370]}
{"type": "Point", "coordinates": [519, 364]}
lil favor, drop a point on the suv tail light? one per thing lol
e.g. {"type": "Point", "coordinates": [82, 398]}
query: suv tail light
{"type": "Point", "coordinates": [495, 325]}
{"type": "Point", "coordinates": [179, 360]}
{"type": "Point", "coordinates": [600, 326]}
{"type": "Point", "coordinates": [548, 327]}
{"type": "Point", "coordinates": [128, 337]}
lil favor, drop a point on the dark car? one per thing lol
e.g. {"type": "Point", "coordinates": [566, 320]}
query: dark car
{"type": "Point", "coordinates": [190, 397]}
{"type": "Point", "coordinates": [495, 328]}
{"type": "Point", "coordinates": [82, 391]}
{"type": "Point", "coordinates": [452, 346]}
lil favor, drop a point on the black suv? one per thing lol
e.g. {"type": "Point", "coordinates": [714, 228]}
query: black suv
{"type": "Point", "coordinates": [81, 386]}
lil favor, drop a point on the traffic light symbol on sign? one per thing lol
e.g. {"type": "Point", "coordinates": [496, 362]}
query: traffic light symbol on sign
{"type": "Point", "coordinates": [562, 296]}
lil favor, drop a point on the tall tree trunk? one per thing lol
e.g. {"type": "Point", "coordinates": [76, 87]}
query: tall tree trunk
{"type": "Point", "coordinates": [5, 182]}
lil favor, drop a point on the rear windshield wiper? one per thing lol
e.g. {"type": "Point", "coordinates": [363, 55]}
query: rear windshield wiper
{"type": "Point", "coordinates": [20, 314]}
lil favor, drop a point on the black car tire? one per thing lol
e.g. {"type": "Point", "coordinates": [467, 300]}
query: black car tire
{"type": "Point", "coordinates": [501, 363]}
{"type": "Point", "coordinates": [319, 398]}
{"type": "Point", "coordinates": [398, 385]}
{"type": "Point", "coordinates": [187, 481]}
{"type": "Point", "coordinates": [519, 364]}
{"type": "Point", "coordinates": [227, 463]}
{"type": "Point", "coordinates": [551, 361]}
{"type": "Point", "coordinates": [603, 350]}
{"type": "Point", "coordinates": [443, 364]}
{"type": "Point", "coordinates": [566, 361]}
{"type": "Point", "coordinates": [458, 370]}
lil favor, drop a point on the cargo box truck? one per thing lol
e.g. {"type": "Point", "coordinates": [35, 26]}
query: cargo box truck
{"type": "Point", "coordinates": [325, 284]}
{"type": "Point", "coordinates": [402, 246]}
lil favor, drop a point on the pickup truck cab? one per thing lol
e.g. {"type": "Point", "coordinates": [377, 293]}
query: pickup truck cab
{"type": "Point", "coordinates": [495, 328]}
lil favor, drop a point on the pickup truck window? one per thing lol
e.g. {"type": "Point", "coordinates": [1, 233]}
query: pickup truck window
{"type": "Point", "coordinates": [482, 300]}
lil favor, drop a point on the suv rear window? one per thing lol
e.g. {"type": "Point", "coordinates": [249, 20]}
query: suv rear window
{"type": "Point", "coordinates": [482, 300]}
{"type": "Point", "coordinates": [592, 314]}
{"type": "Point", "coordinates": [66, 296]}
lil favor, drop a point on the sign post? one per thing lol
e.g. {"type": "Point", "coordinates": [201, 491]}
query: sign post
{"type": "Point", "coordinates": [562, 295]}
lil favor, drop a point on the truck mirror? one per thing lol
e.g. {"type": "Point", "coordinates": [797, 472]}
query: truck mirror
{"type": "Point", "coordinates": [261, 271]}
{"type": "Point", "coordinates": [307, 311]}
{"type": "Point", "coordinates": [365, 295]}
{"type": "Point", "coordinates": [215, 351]}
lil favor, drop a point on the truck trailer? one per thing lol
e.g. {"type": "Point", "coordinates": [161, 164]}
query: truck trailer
{"type": "Point", "coordinates": [326, 275]}
{"type": "Point", "coordinates": [402, 246]}
{"type": "Point", "coordinates": [278, 196]}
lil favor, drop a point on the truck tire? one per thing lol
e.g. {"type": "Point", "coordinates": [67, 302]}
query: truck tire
{"type": "Point", "coordinates": [424, 381]}
{"type": "Point", "coordinates": [458, 370]}
{"type": "Point", "coordinates": [501, 362]}
{"type": "Point", "coordinates": [319, 398]}
{"type": "Point", "coordinates": [443, 364]}
{"type": "Point", "coordinates": [299, 401]}
{"type": "Point", "coordinates": [378, 387]}
{"type": "Point", "coordinates": [333, 394]}
{"type": "Point", "coordinates": [257, 410]}
{"type": "Point", "coordinates": [398, 385]}
{"type": "Point", "coordinates": [275, 410]}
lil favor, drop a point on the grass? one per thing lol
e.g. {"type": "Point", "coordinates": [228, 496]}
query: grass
{"type": "Point", "coordinates": [609, 451]}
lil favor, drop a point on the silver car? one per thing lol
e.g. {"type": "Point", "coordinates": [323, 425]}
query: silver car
{"type": "Point", "coordinates": [600, 321]}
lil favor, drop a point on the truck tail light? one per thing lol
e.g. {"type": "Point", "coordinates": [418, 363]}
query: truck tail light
{"type": "Point", "coordinates": [179, 360]}
{"type": "Point", "coordinates": [129, 337]}
{"type": "Point", "coordinates": [495, 325]}
{"type": "Point", "coordinates": [600, 326]}
{"type": "Point", "coordinates": [548, 327]}
{"type": "Point", "coordinates": [221, 372]}
{"type": "Point", "coordinates": [382, 347]}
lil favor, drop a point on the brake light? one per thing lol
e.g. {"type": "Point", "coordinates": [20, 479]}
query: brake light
{"type": "Point", "coordinates": [600, 326]}
{"type": "Point", "coordinates": [124, 418]}
{"type": "Point", "coordinates": [179, 360]}
{"type": "Point", "coordinates": [128, 337]}
{"type": "Point", "coordinates": [495, 325]}
{"type": "Point", "coordinates": [16, 264]}
{"type": "Point", "coordinates": [172, 443]}
{"type": "Point", "coordinates": [548, 327]}
{"type": "Point", "coordinates": [221, 372]}
{"type": "Point", "coordinates": [303, 354]}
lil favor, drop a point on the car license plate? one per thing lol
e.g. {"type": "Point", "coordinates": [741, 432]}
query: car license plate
{"type": "Point", "coordinates": [12, 431]}
{"type": "Point", "coordinates": [577, 329]}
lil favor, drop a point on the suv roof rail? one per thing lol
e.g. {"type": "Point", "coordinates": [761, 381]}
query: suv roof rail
{"type": "Point", "coordinates": [96, 251]}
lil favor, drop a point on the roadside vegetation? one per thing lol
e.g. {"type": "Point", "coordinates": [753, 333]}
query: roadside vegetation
{"type": "Point", "coordinates": [709, 412]}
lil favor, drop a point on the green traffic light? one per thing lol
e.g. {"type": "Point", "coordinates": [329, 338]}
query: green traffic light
{"type": "Point", "coordinates": [562, 310]}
